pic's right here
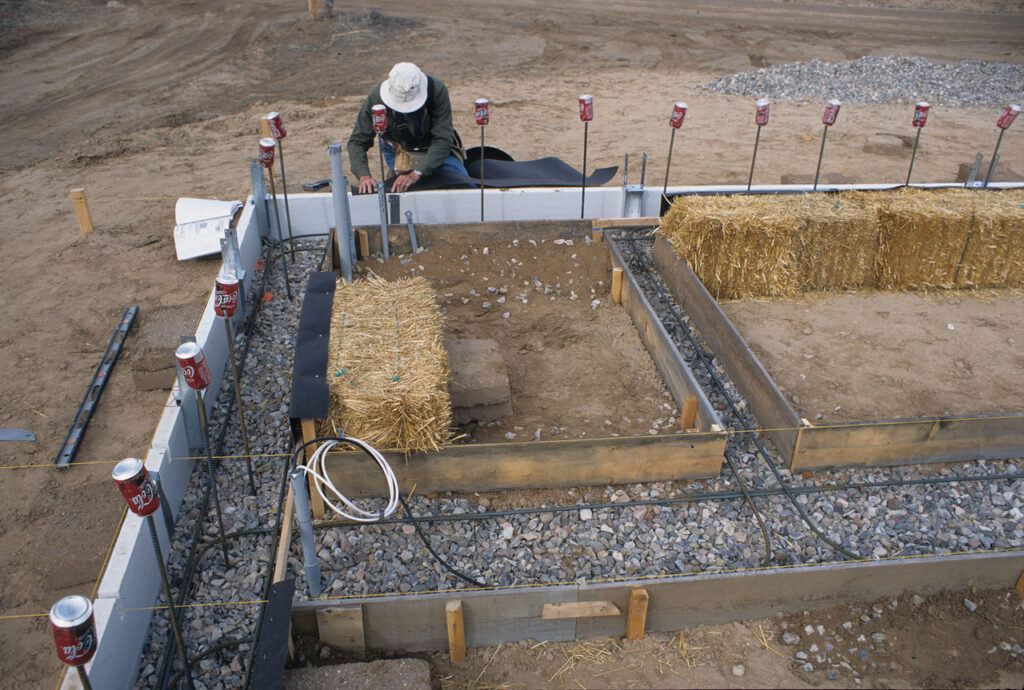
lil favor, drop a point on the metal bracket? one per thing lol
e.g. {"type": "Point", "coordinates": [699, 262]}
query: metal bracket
{"type": "Point", "coordinates": [394, 209]}
{"type": "Point", "coordinates": [633, 194]}
{"type": "Point", "coordinates": [232, 258]}
{"type": "Point", "coordinates": [165, 508]}
{"type": "Point", "coordinates": [972, 180]}
{"type": "Point", "coordinates": [259, 198]}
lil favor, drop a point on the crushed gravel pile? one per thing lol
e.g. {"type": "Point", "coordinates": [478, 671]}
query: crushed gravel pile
{"type": "Point", "coordinates": [891, 79]}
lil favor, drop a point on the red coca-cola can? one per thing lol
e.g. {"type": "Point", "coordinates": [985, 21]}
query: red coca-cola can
{"type": "Point", "coordinates": [132, 479]}
{"type": "Point", "coordinates": [379, 113]}
{"type": "Point", "coordinates": [275, 125]}
{"type": "Point", "coordinates": [74, 630]}
{"type": "Point", "coordinates": [482, 110]}
{"type": "Point", "coordinates": [193, 366]}
{"type": "Point", "coordinates": [1009, 115]}
{"type": "Point", "coordinates": [267, 152]}
{"type": "Point", "coordinates": [678, 115]}
{"type": "Point", "coordinates": [921, 114]}
{"type": "Point", "coordinates": [225, 295]}
{"type": "Point", "coordinates": [586, 107]}
{"type": "Point", "coordinates": [831, 112]}
{"type": "Point", "coordinates": [761, 112]}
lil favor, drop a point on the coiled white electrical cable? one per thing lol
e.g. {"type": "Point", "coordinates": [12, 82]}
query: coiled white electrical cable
{"type": "Point", "coordinates": [317, 468]}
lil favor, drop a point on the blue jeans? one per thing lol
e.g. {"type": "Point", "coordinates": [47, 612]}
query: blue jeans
{"type": "Point", "coordinates": [450, 164]}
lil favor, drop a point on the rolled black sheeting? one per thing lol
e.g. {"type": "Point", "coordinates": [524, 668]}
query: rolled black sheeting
{"type": "Point", "coordinates": [310, 396]}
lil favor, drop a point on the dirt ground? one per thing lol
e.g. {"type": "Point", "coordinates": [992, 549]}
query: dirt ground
{"type": "Point", "coordinates": [139, 102]}
{"type": "Point", "coordinates": [855, 357]}
{"type": "Point", "coordinates": [574, 359]}
{"type": "Point", "coordinates": [907, 642]}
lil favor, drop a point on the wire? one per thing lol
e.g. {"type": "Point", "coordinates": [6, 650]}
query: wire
{"type": "Point", "coordinates": [318, 469]}
{"type": "Point", "coordinates": [801, 511]}
{"type": "Point", "coordinates": [447, 566]}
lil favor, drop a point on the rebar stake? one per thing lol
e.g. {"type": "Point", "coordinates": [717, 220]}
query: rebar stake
{"type": "Point", "coordinates": [913, 155]}
{"type": "Point", "coordinates": [83, 678]}
{"type": "Point", "coordinates": [753, 159]}
{"type": "Point", "coordinates": [280, 237]}
{"type": "Point", "coordinates": [287, 210]}
{"type": "Point", "coordinates": [210, 478]}
{"type": "Point", "coordinates": [583, 182]}
{"type": "Point", "coordinates": [821, 153]}
{"type": "Point", "coordinates": [178, 639]}
{"type": "Point", "coordinates": [238, 401]}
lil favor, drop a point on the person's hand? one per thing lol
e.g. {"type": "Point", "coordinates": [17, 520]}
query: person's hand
{"type": "Point", "coordinates": [367, 185]}
{"type": "Point", "coordinates": [403, 182]}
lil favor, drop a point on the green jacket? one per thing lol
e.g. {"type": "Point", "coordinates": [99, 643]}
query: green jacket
{"type": "Point", "coordinates": [427, 129]}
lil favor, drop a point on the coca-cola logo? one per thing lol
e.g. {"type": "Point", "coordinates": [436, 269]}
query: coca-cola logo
{"type": "Point", "coordinates": [225, 301]}
{"type": "Point", "coordinates": [81, 649]}
{"type": "Point", "coordinates": [189, 371]}
{"type": "Point", "coordinates": [144, 497]}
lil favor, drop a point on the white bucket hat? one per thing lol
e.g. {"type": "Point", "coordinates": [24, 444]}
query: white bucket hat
{"type": "Point", "coordinates": [405, 89]}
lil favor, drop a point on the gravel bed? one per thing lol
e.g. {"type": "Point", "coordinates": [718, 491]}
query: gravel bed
{"type": "Point", "coordinates": [614, 541]}
{"type": "Point", "coordinates": [890, 79]}
{"type": "Point", "coordinates": [571, 540]}
{"type": "Point", "coordinates": [209, 619]}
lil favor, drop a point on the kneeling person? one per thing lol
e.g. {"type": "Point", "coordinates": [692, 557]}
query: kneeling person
{"type": "Point", "coordinates": [420, 138]}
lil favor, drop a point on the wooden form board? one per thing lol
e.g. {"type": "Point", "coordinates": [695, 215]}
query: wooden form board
{"type": "Point", "coordinates": [674, 370]}
{"type": "Point", "coordinates": [342, 628]}
{"type": "Point", "coordinates": [899, 442]}
{"type": "Point", "coordinates": [417, 622]}
{"type": "Point", "coordinates": [806, 447]}
{"type": "Point", "coordinates": [537, 464]}
{"type": "Point", "coordinates": [548, 464]}
{"type": "Point", "coordinates": [763, 396]}
{"type": "Point", "coordinates": [471, 233]}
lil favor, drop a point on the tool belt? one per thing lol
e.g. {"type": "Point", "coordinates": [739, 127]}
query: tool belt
{"type": "Point", "coordinates": [408, 159]}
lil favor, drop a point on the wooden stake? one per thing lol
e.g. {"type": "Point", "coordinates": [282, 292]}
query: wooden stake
{"type": "Point", "coordinates": [456, 629]}
{"type": "Point", "coordinates": [81, 210]}
{"type": "Point", "coordinates": [1020, 585]}
{"type": "Point", "coordinates": [598, 234]}
{"type": "Point", "coordinates": [314, 11]}
{"type": "Point", "coordinates": [364, 244]}
{"type": "Point", "coordinates": [316, 501]}
{"type": "Point", "coordinates": [636, 619]}
{"type": "Point", "coordinates": [617, 285]}
{"type": "Point", "coordinates": [688, 417]}
{"type": "Point", "coordinates": [265, 128]}
{"type": "Point", "coordinates": [284, 545]}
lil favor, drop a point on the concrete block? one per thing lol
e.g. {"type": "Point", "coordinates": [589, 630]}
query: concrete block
{"type": "Point", "coordinates": [481, 413]}
{"type": "Point", "coordinates": [479, 376]}
{"type": "Point", "coordinates": [1000, 174]}
{"type": "Point", "coordinates": [383, 674]}
{"type": "Point", "coordinates": [887, 145]}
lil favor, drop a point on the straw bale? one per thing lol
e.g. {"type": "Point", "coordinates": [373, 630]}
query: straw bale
{"type": "Point", "coordinates": [993, 254]}
{"type": "Point", "coordinates": [921, 238]}
{"type": "Point", "coordinates": [781, 245]}
{"type": "Point", "coordinates": [838, 241]}
{"type": "Point", "coordinates": [737, 245]}
{"type": "Point", "coordinates": [387, 367]}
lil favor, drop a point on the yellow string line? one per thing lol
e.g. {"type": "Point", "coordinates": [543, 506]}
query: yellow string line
{"type": "Point", "coordinates": [110, 550]}
{"type": "Point", "coordinates": [534, 585]}
{"type": "Point", "coordinates": [146, 198]}
{"type": "Point", "coordinates": [851, 425]}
